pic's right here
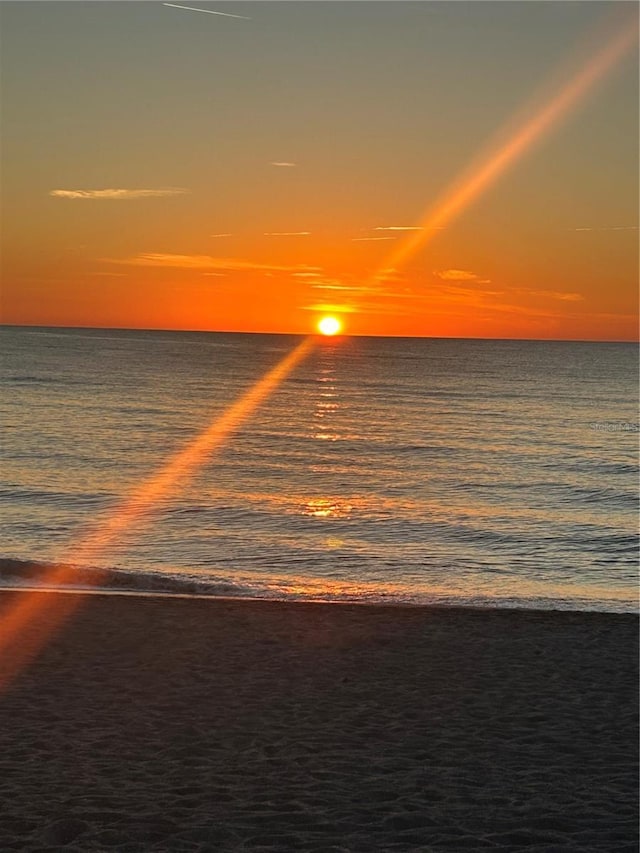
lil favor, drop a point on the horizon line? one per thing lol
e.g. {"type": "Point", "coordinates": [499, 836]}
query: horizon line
{"type": "Point", "coordinates": [306, 334]}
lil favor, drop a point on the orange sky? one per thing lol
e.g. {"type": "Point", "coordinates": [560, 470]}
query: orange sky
{"type": "Point", "coordinates": [217, 174]}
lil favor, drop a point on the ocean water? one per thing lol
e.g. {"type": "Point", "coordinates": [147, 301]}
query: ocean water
{"type": "Point", "coordinates": [473, 472]}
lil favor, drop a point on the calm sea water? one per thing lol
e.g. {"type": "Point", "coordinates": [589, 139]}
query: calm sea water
{"type": "Point", "coordinates": [492, 473]}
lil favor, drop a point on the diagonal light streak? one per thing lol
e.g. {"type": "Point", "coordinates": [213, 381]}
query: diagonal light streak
{"type": "Point", "coordinates": [466, 190]}
{"type": "Point", "coordinates": [32, 617]}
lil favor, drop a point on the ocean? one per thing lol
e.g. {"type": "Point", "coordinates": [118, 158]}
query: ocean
{"type": "Point", "coordinates": [400, 470]}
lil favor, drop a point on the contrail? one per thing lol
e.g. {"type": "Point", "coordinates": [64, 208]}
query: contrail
{"type": "Point", "coordinates": [208, 11]}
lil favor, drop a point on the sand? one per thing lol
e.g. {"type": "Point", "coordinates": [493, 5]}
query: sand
{"type": "Point", "coordinates": [154, 724]}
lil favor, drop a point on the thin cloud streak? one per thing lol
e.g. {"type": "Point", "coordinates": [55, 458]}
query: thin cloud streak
{"type": "Point", "coordinates": [469, 286]}
{"type": "Point", "coordinates": [608, 228]}
{"type": "Point", "coordinates": [220, 235]}
{"type": "Point", "coordinates": [117, 194]}
{"type": "Point", "coordinates": [482, 298]}
{"type": "Point", "coordinates": [204, 262]}
{"type": "Point", "coordinates": [458, 275]}
{"type": "Point", "coordinates": [287, 233]}
{"type": "Point", "coordinates": [207, 11]}
{"type": "Point", "coordinates": [337, 287]}
{"type": "Point", "coordinates": [563, 296]}
{"type": "Point", "coordinates": [283, 164]}
{"type": "Point", "coordinates": [330, 308]}
{"type": "Point", "coordinates": [399, 228]}
{"type": "Point", "coordinates": [369, 239]}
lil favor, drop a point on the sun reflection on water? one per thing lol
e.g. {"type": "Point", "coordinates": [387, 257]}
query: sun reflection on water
{"type": "Point", "coordinates": [324, 427]}
{"type": "Point", "coordinates": [327, 508]}
{"type": "Point", "coordinates": [326, 405]}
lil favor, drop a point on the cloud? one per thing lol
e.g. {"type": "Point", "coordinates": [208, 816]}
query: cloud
{"type": "Point", "coordinates": [455, 289]}
{"type": "Point", "coordinates": [389, 274]}
{"type": "Point", "coordinates": [331, 309]}
{"type": "Point", "coordinates": [609, 228]}
{"type": "Point", "coordinates": [353, 285]}
{"type": "Point", "coordinates": [456, 279]}
{"type": "Point", "coordinates": [117, 195]}
{"type": "Point", "coordinates": [109, 274]}
{"type": "Point", "coordinates": [361, 239]}
{"type": "Point", "coordinates": [307, 274]}
{"type": "Point", "coordinates": [454, 292]}
{"type": "Point", "coordinates": [220, 235]}
{"type": "Point", "coordinates": [204, 262]}
{"type": "Point", "coordinates": [282, 163]}
{"type": "Point", "coordinates": [334, 286]}
{"type": "Point", "coordinates": [564, 296]}
{"type": "Point", "coordinates": [208, 11]}
{"type": "Point", "coordinates": [398, 228]}
{"type": "Point", "coordinates": [287, 233]}
{"type": "Point", "coordinates": [406, 228]}
{"type": "Point", "coordinates": [459, 275]}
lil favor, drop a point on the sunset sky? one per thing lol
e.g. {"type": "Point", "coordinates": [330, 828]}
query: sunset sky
{"type": "Point", "coordinates": [167, 168]}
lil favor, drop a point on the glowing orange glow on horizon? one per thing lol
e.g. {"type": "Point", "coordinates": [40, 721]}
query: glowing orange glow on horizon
{"type": "Point", "coordinates": [467, 189]}
{"type": "Point", "coordinates": [21, 629]}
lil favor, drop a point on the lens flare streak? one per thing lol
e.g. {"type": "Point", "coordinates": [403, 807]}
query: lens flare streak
{"type": "Point", "coordinates": [465, 191]}
{"type": "Point", "coordinates": [32, 617]}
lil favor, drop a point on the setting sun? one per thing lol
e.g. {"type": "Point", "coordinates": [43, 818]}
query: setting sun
{"type": "Point", "coordinates": [329, 326]}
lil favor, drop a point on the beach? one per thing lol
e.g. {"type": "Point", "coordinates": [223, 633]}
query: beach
{"type": "Point", "coordinates": [177, 724]}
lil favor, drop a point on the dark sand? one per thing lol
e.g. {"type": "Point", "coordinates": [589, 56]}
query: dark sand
{"type": "Point", "coordinates": [178, 725]}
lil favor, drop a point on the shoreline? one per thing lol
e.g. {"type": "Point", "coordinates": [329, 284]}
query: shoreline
{"type": "Point", "coordinates": [490, 605]}
{"type": "Point", "coordinates": [32, 576]}
{"type": "Point", "coordinates": [157, 724]}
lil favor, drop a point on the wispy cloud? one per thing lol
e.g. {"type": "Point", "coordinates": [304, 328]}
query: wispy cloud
{"type": "Point", "coordinates": [331, 308]}
{"type": "Point", "coordinates": [328, 285]}
{"type": "Point", "coordinates": [287, 233]}
{"type": "Point", "coordinates": [204, 262]}
{"type": "Point", "coordinates": [563, 296]}
{"type": "Point", "coordinates": [307, 274]}
{"type": "Point", "coordinates": [509, 300]}
{"type": "Point", "coordinates": [208, 11]}
{"type": "Point", "coordinates": [348, 283]}
{"type": "Point", "coordinates": [466, 285]}
{"type": "Point", "coordinates": [108, 274]}
{"type": "Point", "coordinates": [608, 228]}
{"type": "Point", "coordinates": [220, 235]}
{"type": "Point", "coordinates": [459, 275]}
{"type": "Point", "coordinates": [455, 292]}
{"type": "Point", "coordinates": [117, 194]}
{"type": "Point", "coordinates": [401, 228]}
{"type": "Point", "coordinates": [282, 163]}
{"type": "Point", "coordinates": [398, 228]}
{"type": "Point", "coordinates": [368, 239]}
{"type": "Point", "coordinates": [389, 274]}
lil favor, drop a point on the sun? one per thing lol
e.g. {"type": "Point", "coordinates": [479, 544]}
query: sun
{"type": "Point", "coordinates": [329, 325]}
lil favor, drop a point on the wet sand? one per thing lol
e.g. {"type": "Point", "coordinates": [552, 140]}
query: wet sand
{"type": "Point", "coordinates": [188, 725]}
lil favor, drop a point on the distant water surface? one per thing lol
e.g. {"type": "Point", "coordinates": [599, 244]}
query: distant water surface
{"type": "Point", "coordinates": [488, 473]}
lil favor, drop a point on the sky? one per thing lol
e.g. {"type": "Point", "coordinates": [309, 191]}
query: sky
{"type": "Point", "coordinates": [168, 168]}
